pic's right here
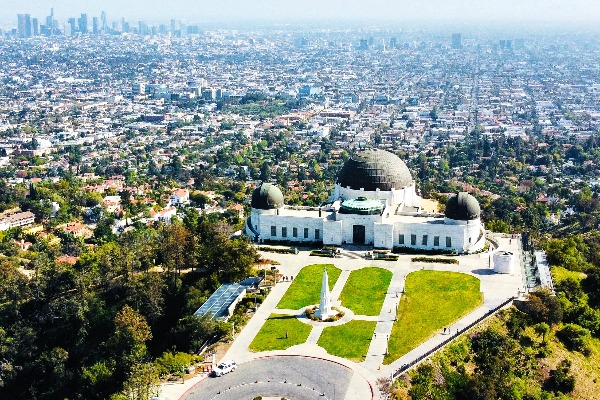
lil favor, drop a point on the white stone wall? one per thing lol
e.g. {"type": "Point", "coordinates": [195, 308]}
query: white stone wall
{"type": "Point", "coordinates": [332, 232]}
{"type": "Point", "coordinates": [289, 222]}
{"type": "Point", "coordinates": [378, 231]}
{"type": "Point", "coordinates": [349, 220]}
{"type": "Point", "coordinates": [347, 193]}
{"type": "Point", "coordinates": [384, 236]}
{"type": "Point", "coordinates": [406, 195]}
{"type": "Point", "coordinates": [456, 232]}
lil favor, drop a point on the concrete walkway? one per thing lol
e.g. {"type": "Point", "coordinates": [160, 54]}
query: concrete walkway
{"type": "Point", "coordinates": [383, 330]}
{"type": "Point", "coordinates": [496, 289]}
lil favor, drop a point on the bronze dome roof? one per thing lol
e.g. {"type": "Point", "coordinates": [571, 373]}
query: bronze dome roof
{"type": "Point", "coordinates": [463, 207]}
{"type": "Point", "coordinates": [374, 169]}
{"type": "Point", "coordinates": [267, 197]}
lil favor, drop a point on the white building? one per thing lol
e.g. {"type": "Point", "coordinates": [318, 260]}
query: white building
{"type": "Point", "coordinates": [180, 197]}
{"type": "Point", "coordinates": [374, 203]}
{"type": "Point", "coordinates": [18, 219]}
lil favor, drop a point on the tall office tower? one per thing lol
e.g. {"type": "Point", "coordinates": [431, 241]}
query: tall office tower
{"type": "Point", "coordinates": [95, 26]}
{"type": "Point", "coordinates": [83, 24]}
{"type": "Point", "coordinates": [51, 23]}
{"type": "Point", "coordinates": [104, 22]}
{"type": "Point", "coordinates": [173, 25]}
{"type": "Point", "coordinates": [456, 41]}
{"type": "Point", "coordinates": [394, 42]}
{"type": "Point", "coordinates": [24, 25]}
{"type": "Point", "coordinates": [35, 26]}
{"type": "Point", "coordinates": [72, 26]}
{"type": "Point", "coordinates": [21, 25]}
{"type": "Point", "coordinates": [142, 28]}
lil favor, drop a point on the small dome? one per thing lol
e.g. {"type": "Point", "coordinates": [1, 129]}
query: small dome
{"type": "Point", "coordinates": [463, 207]}
{"type": "Point", "coordinates": [374, 169]}
{"type": "Point", "coordinates": [267, 197]}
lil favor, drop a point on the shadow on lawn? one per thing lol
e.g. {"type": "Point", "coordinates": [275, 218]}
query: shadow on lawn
{"type": "Point", "coordinates": [284, 317]}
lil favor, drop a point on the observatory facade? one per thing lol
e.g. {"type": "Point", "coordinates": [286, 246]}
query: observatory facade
{"type": "Point", "coordinates": [374, 203]}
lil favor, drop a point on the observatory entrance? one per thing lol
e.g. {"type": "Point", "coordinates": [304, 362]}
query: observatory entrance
{"type": "Point", "coordinates": [358, 234]}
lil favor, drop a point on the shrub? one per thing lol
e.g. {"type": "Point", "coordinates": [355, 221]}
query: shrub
{"type": "Point", "coordinates": [542, 306]}
{"type": "Point", "coordinates": [322, 253]}
{"type": "Point", "coordinates": [410, 250]}
{"type": "Point", "coordinates": [277, 250]}
{"type": "Point", "coordinates": [435, 260]}
{"type": "Point", "coordinates": [560, 379]}
{"type": "Point", "coordinates": [310, 314]}
{"type": "Point", "coordinates": [574, 337]}
{"type": "Point", "coordinates": [169, 363]}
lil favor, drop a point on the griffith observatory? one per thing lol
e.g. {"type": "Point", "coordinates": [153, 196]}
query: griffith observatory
{"type": "Point", "coordinates": [373, 203]}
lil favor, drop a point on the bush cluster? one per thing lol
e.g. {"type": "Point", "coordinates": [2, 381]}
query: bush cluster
{"type": "Point", "coordinates": [435, 260]}
{"type": "Point", "coordinates": [310, 314]}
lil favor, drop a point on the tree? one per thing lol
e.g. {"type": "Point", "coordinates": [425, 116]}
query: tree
{"type": "Point", "coordinates": [560, 379]}
{"type": "Point", "coordinates": [142, 383]}
{"type": "Point", "coordinates": [543, 306]}
{"type": "Point", "coordinates": [542, 329]}
{"type": "Point", "coordinates": [191, 332]}
{"type": "Point", "coordinates": [230, 260]}
{"type": "Point", "coordinates": [265, 172]}
{"type": "Point", "coordinates": [129, 339]}
{"type": "Point", "coordinates": [591, 285]}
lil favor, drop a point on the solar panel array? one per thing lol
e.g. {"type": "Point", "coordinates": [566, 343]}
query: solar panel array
{"type": "Point", "coordinates": [218, 303]}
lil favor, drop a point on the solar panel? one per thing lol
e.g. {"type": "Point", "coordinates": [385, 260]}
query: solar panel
{"type": "Point", "coordinates": [219, 302]}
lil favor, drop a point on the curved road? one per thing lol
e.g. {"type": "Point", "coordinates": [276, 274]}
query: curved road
{"type": "Point", "coordinates": [292, 377]}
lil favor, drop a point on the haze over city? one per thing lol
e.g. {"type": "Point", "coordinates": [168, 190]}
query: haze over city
{"type": "Point", "coordinates": [312, 200]}
{"type": "Point", "coordinates": [340, 10]}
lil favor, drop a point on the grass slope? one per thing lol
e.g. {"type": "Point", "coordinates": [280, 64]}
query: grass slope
{"type": "Point", "coordinates": [585, 369]}
{"type": "Point", "coordinates": [306, 287]}
{"type": "Point", "coordinates": [560, 274]}
{"type": "Point", "coordinates": [365, 290]}
{"type": "Point", "coordinates": [432, 301]}
{"type": "Point", "coordinates": [350, 340]}
{"type": "Point", "coordinates": [272, 334]}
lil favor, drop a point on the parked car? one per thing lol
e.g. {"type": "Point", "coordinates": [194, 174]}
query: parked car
{"type": "Point", "coordinates": [224, 368]}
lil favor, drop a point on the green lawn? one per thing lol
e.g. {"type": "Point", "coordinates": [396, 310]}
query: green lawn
{"type": "Point", "coordinates": [432, 300]}
{"type": "Point", "coordinates": [306, 287]}
{"type": "Point", "coordinates": [365, 290]}
{"type": "Point", "coordinates": [350, 340]}
{"type": "Point", "coordinates": [561, 273]}
{"type": "Point", "coordinates": [272, 334]}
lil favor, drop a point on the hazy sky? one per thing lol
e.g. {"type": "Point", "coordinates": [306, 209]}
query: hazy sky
{"type": "Point", "coordinates": [212, 10]}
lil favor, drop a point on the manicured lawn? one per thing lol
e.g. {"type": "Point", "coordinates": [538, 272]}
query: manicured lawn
{"type": "Point", "coordinates": [306, 287]}
{"type": "Point", "coordinates": [365, 290]}
{"type": "Point", "coordinates": [432, 300]}
{"type": "Point", "coordinates": [561, 273]}
{"type": "Point", "coordinates": [350, 340]}
{"type": "Point", "coordinates": [272, 334]}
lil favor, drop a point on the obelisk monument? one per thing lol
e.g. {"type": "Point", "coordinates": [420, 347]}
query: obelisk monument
{"type": "Point", "coordinates": [325, 310]}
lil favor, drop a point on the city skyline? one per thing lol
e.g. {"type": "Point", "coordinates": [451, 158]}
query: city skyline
{"type": "Point", "coordinates": [264, 10]}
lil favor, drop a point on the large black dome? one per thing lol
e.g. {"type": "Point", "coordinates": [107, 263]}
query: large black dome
{"type": "Point", "coordinates": [463, 207]}
{"type": "Point", "coordinates": [267, 197]}
{"type": "Point", "coordinates": [374, 169]}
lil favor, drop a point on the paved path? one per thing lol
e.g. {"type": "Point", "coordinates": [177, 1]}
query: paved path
{"type": "Point", "coordinates": [339, 285]}
{"type": "Point", "coordinates": [496, 289]}
{"type": "Point", "coordinates": [386, 319]}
